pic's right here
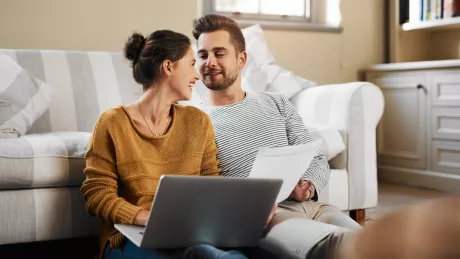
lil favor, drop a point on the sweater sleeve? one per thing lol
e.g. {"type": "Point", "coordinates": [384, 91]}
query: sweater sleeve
{"type": "Point", "coordinates": [210, 163]}
{"type": "Point", "coordinates": [297, 133]}
{"type": "Point", "coordinates": [100, 188]}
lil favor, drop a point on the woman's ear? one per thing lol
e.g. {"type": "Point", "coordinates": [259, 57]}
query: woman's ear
{"type": "Point", "coordinates": [166, 67]}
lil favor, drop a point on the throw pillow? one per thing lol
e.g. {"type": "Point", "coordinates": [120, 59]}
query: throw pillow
{"type": "Point", "coordinates": [333, 143]}
{"type": "Point", "coordinates": [23, 98]}
{"type": "Point", "coordinates": [261, 72]}
{"type": "Point", "coordinates": [286, 82]}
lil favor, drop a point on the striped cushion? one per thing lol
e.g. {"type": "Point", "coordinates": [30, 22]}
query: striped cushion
{"type": "Point", "coordinates": [43, 160]}
{"type": "Point", "coordinates": [44, 214]}
{"type": "Point", "coordinates": [23, 98]}
{"type": "Point", "coordinates": [86, 84]}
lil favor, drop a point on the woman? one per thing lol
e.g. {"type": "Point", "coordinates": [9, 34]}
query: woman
{"type": "Point", "coordinates": [132, 146]}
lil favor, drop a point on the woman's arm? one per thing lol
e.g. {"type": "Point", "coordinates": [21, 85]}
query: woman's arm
{"type": "Point", "coordinates": [100, 188]}
{"type": "Point", "coordinates": [210, 163]}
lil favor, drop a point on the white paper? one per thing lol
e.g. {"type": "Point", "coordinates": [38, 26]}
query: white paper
{"type": "Point", "coordinates": [288, 163]}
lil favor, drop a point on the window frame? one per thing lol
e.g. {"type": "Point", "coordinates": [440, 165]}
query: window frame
{"type": "Point", "coordinates": [267, 21]}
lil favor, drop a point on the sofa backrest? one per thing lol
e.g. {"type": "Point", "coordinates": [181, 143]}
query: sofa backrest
{"type": "Point", "coordinates": [86, 83]}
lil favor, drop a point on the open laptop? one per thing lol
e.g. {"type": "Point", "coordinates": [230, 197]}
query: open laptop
{"type": "Point", "coordinates": [190, 210]}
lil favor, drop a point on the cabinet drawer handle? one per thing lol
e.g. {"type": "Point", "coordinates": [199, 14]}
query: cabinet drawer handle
{"type": "Point", "coordinates": [419, 86]}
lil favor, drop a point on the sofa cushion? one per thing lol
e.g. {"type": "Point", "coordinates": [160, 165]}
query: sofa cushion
{"type": "Point", "coordinates": [23, 98]}
{"type": "Point", "coordinates": [333, 143]}
{"type": "Point", "coordinates": [44, 214]}
{"type": "Point", "coordinates": [43, 160]}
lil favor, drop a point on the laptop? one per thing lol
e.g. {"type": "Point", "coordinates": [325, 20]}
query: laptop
{"type": "Point", "coordinates": [219, 211]}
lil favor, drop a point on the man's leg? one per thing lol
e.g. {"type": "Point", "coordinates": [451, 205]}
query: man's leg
{"type": "Point", "coordinates": [296, 231]}
{"type": "Point", "coordinates": [289, 236]}
{"type": "Point", "coordinates": [331, 215]}
{"type": "Point", "coordinates": [320, 212]}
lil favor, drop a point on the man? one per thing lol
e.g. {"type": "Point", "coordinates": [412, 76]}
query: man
{"type": "Point", "coordinates": [244, 122]}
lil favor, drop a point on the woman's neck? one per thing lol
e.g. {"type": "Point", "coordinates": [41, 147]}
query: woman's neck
{"type": "Point", "coordinates": [155, 104]}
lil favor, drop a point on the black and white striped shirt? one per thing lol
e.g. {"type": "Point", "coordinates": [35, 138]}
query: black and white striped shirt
{"type": "Point", "coordinates": [260, 120]}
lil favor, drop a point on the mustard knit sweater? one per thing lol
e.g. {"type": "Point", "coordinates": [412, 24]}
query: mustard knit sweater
{"type": "Point", "coordinates": [123, 165]}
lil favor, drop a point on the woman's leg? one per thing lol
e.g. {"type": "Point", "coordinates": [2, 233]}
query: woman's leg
{"type": "Point", "coordinates": [211, 252]}
{"type": "Point", "coordinates": [131, 251]}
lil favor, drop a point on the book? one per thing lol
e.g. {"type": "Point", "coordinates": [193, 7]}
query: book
{"type": "Point", "coordinates": [415, 10]}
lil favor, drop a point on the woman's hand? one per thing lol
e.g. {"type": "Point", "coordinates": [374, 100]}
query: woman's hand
{"type": "Point", "coordinates": [141, 218]}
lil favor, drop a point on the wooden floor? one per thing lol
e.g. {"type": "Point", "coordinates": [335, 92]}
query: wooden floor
{"type": "Point", "coordinates": [391, 197]}
{"type": "Point", "coordinates": [395, 197]}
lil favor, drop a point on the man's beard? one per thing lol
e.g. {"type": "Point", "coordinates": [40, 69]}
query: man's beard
{"type": "Point", "coordinates": [219, 85]}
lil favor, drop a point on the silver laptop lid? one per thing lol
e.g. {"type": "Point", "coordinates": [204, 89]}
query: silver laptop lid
{"type": "Point", "coordinates": [224, 212]}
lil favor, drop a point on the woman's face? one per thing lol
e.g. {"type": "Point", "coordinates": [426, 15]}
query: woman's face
{"type": "Point", "coordinates": [184, 76]}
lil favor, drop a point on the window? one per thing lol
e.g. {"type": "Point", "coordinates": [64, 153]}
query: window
{"type": "Point", "coordinates": [291, 14]}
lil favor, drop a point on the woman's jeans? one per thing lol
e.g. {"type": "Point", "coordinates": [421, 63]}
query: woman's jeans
{"type": "Point", "coordinates": [131, 251]}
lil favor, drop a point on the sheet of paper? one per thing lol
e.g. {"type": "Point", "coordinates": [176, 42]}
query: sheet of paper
{"type": "Point", "coordinates": [288, 163]}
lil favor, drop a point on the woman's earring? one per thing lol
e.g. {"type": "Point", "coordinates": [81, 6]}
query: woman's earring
{"type": "Point", "coordinates": [170, 76]}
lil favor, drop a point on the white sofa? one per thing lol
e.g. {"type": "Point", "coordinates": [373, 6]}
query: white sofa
{"type": "Point", "coordinates": [41, 172]}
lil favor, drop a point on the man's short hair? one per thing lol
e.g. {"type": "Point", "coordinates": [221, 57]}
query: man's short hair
{"type": "Point", "coordinates": [215, 22]}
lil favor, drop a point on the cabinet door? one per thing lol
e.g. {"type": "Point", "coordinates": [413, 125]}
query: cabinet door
{"type": "Point", "coordinates": [401, 134]}
{"type": "Point", "coordinates": [445, 102]}
{"type": "Point", "coordinates": [445, 88]}
{"type": "Point", "coordinates": [445, 123]}
{"type": "Point", "coordinates": [445, 157]}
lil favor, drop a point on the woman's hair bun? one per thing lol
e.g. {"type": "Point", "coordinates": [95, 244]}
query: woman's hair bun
{"type": "Point", "coordinates": [134, 46]}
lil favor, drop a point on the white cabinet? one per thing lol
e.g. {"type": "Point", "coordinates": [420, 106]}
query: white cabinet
{"type": "Point", "coordinates": [401, 133]}
{"type": "Point", "coordinates": [418, 138]}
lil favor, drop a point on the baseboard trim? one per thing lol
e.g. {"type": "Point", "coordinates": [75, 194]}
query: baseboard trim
{"type": "Point", "coordinates": [418, 178]}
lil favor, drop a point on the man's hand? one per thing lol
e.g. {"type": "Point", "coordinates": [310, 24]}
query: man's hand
{"type": "Point", "coordinates": [301, 191]}
{"type": "Point", "coordinates": [272, 214]}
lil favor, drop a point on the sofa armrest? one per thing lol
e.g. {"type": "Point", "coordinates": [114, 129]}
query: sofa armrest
{"type": "Point", "coordinates": [355, 110]}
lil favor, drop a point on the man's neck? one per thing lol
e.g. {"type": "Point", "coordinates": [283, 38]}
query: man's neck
{"type": "Point", "coordinates": [228, 96]}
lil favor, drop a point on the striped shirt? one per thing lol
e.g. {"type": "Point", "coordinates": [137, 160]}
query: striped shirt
{"type": "Point", "coordinates": [261, 120]}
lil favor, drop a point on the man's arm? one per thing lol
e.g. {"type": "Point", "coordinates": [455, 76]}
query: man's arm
{"type": "Point", "coordinates": [297, 133]}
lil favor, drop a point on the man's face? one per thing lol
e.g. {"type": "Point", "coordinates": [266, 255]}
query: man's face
{"type": "Point", "coordinates": [218, 62]}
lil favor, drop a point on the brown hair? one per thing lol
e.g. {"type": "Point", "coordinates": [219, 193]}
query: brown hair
{"type": "Point", "coordinates": [147, 54]}
{"type": "Point", "coordinates": [215, 22]}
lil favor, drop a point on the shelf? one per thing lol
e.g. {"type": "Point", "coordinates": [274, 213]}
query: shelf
{"type": "Point", "coordinates": [419, 65]}
{"type": "Point", "coordinates": [435, 25]}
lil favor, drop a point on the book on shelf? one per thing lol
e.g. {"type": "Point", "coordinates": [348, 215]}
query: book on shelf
{"type": "Point", "coordinates": [416, 11]}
